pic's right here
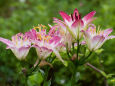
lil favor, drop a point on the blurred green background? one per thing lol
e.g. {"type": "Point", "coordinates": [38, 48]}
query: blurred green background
{"type": "Point", "coordinates": [21, 15]}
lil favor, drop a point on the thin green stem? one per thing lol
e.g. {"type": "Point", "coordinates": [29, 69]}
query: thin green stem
{"type": "Point", "coordinates": [33, 68]}
{"type": "Point", "coordinates": [96, 69]}
{"type": "Point", "coordinates": [26, 79]}
{"type": "Point", "coordinates": [77, 48]}
{"type": "Point", "coordinates": [67, 50]}
{"type": "Point", "coordinates": [36, 67]}
{"type": "Point", "coordinates": [88, 55]}
{"type": "Point", "coordinates": [82, 61]}
{"type": "Point", "coordinates": [73, 46]}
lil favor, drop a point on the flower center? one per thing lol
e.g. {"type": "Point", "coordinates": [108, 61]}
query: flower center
{"type": "Point", "coordinates": [41, 34]}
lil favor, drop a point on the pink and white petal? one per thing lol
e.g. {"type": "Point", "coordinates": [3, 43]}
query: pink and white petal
{"type": "Point", "coordinates": [17, 37]}
{"type": "Point", "coordinates": [6, 41]}
{"type": "Point", "coordinates": [65, 16]}
{"type": "Point", "coordinates": [60, 47]}
{"type": "Point", "coordinates": [89, 16]}
{"type": "Point", "coordinates": [97, 41]}
{"type": "Point", "coordinates": [42, 52]}
{"type": "Point", "coordinates": [20, 53]}
{"type": "Point", "coordinates": [86, 34]}
{"type": "Point", "coordinates": [58, 56]}
{"type": "Point", "coordinates": [89, 21]}
{"type": "Point", "coordinates": [55, 40]}
{"type": "Point", "coordinates": [69, 40]}
{"type": "Point", "coordinates": [91, 29]}
{"type": "Point", "coordinates": [77, 23]}
{"type": "Point", "coordinates": [53, 30]}
{"type": "Point", "coordinates": [60, 23]}
{"type": "Point", "coordinates": [107, 32]}
{"type": "Point", "coordinates": [110, 37]}
{"type": "Point", "coordinates": [76, 15]}
{"type": "Point", "coordinates": [32, 35]}
{"type": "Point", "coordinates": [106, 38]}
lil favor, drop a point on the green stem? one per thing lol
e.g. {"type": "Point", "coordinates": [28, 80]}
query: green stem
{"type": "Point", "coordinates": [36, 66]}
{"type": "Point", "coordinates": [88, 55]}
{"type": "Point", "coordinates": [82, 61]}
{"type": "Point", "coordinates": [26, 78]}
{"type": "Point", "coordinates": [77, 48]}
{"type": "Point", "coordinates": [67, 50]}
{"type": "Point", "coordinates": [96, 69]}
{"type": "Point", "coordinates": [73, 46]}
{"type": "Point", "coordinates": [33, 68]}
{"type": "Point", "coordinates": [73, 77]}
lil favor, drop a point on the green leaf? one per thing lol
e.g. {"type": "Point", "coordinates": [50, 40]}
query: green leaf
{"type": "Point", "coordinates": [99, 51]}
{"type": "Point", "coordinates": [35, 79]}
{"type": "Point", "coordinates": [104, 74]}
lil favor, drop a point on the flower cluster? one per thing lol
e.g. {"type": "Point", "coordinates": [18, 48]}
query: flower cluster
{"type": "Point", "coordinates": [71, 31]}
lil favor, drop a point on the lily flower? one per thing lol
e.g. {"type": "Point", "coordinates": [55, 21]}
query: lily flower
{"type": "Point", "coordinates": [63, 32]}
{"type": "Point", "coordinates": [95, 39]}
{"type": "Point", "coordinates": [19, 45]}
{"type": "Point", "coordinates": [74, 24]}
{"type": "Point", "coordinates": [44, 43]}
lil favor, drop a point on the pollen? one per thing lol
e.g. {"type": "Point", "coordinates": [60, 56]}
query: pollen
{"type": "Point", "coordinates": [40, 27]}
{"type": "Point", "coordinates": [61, 32]}
{"type": "Point", "coordinates": [93, 30]}
{"type": "Point", "coordinates": [39, 36]}
{"type": "Point", "coordinates": [16, 39]}
{"type": "Point", "coordinates": [48, 38]}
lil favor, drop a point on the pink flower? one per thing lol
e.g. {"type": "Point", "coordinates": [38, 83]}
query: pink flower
{"type": "Point", "coordinates": [95, 39]}
{"type": "Point", "coordinates": [63, 32]}
{"type": "Point", "coordinates": [74, 24]}
{"type": "Point", "coordinates": [19, 45]}
{"type": "Point", "coordinates": [44, 43]}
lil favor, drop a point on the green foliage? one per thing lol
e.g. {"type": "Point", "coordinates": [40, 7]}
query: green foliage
{"type": "Point", "coordinates": [35, 79]}
{"type": "Point", "coordinates": [21, 15]}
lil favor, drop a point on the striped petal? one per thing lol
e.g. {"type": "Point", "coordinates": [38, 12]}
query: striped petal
{"type": "Point", "coordinates": [6, 41]}
{"type": "Point", "coordinates": [97, 41]}
{"type": "Point", "coordinates": [89, 16]}
{"type": "Point", "coordinates": [20, 53]}
{"type": "Point", "coordinates": [65, 16]}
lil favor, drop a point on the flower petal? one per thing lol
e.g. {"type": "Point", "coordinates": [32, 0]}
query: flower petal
{"type": "Point", "coordinates": [77, 23]}
{"type": "Point", "coordinates": [55, 40]}
{"type": "Point", "coordinates": [31, 34]}
{"type": "Point", "coordinates": [65, 16]}
{"type": "Point", "coordinates": [107, 32]}
{"type": "Point", "coordinates": [60, 23]}
{"type": "Point", "coordinates": [97, 41]}
{"type": "Point", "coordinates": [6, 41]}
{"type": "Point", "coordinates": [58, 55]}
{"type": "Point", "coordinates": [89, 16]}
{"type": "Point", "coordinates": [20, 53]}
{"type": "Point", "coordinates": [86, 34]}
{"type": "Point", "coordinates": [42, 52]}
{"type": "Point", "coordinates": [111, 37]}
{"type": "Point", "coordinates": [76, 15]}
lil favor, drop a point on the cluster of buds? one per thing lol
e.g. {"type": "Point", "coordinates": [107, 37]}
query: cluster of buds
{"type": "Point", "coordinates": [71, 30]}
